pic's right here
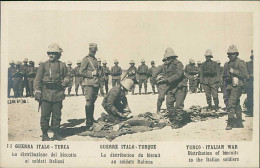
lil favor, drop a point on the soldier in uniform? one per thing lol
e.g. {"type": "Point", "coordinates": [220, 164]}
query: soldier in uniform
{"type": "Point", "coordinates": [220, 76]}
{"type": "Point", "coordinates": [71, 74]}
{"type": "Point", "coordinates": [158, 75]}
{"type": "Point", "coordinates": [191, 72]}
{"type": "Point", "coordinates": [10, 77]}
{"type": "Point", "coordinates": [90, 72]}
{"type": "Point", "coordinates": [105, 72]}
{"type": "Point", "coordinates": [115, 102]}
{"type": "Point", "coordinates": [209, 77]}
{"type": "Point", "coordinates": [143, 76]}
{"type": "Point", "coordinates": [30, 76]}
{"type": "Point", "coordinates": [25, 82]}
{"type": "Point", "coordinates": [177, 91]}
{"type": "Point", "coordinates": [250, 86]}
{"type": "Point", "coordinates": [101, 83]}
{"type": "Point", "coordinates": [131, 74]}
{"type": "Point", "coordinates": [199, 85]}
{"type": "Point", "coordinates": [116, 73]}
{"type": "Point", "coordinates": [17, 80]}
{"type": "Point", "coordinates": [151, 72]}
{"type": "Point", "coordinates": [235, 72]}
{"type": "Point", "coordinates": [49, 85]}
{"type": "Point", "coordinates": [78, 78]}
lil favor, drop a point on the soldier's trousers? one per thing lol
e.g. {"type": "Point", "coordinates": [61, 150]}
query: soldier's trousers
{"type": "Point", "coordinates": [115, 82]}
{"type": "Point", "coordinates": [141, 82]}
{"type": "Point", "coordinates": [10, 86]}
{"type": "Point", "coordinates": [153, 83]}
{"type": "Point", "coordinates": [70, 85]}
{"type": "Point", "coordinates": [101, 87]}
{"type": "Point", "coordinates": [175, 103]}
{"type": "Point", "coordinates": [119, 107]}
{"type": "Point", "coordinates": [30, 82]}
{"type": "Point", "coordinates": [193, 85]}
{"type": "Point", "coordinates": [106, 85]}
{"type": "Point", "coordinates": [234, 108]}
{"type": "Point", "coordinates": [50, 109]}
{"type": "Point", "coordinates": [226, 95]}
{"type": "Point", "coordinates": [77, 86]}
{"type": "Point", "coordinates": [91, 94]}
{"type": "Point", "coordinates": [250, 100]}
{"type": "Point", "coordinates": [211, 90]}
{"type": "Point", "coordinates": [18, 87]}
{"type": "Point", "coordinates": [25, 84]}
{"type": "Point", "coordinates": [161, 95]}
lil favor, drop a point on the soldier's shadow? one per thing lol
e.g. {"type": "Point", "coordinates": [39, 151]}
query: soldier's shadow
{"type": "Point", "coordinates": [70, 129]}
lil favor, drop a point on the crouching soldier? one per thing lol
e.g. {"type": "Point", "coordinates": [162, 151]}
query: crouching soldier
{"type": "Point", "coordinates": [115, 102]}
{"type": "Point", "coordinates": [235, 72]}
{"type": "Point", "coordinates": [49, 85]}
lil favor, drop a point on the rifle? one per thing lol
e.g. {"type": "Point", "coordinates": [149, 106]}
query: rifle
{"type": "Point", "coordinates": [125, 74]}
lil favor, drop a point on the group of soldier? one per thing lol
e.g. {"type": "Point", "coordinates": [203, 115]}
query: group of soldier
{"type": "Point", "coordinates": [52, 77]}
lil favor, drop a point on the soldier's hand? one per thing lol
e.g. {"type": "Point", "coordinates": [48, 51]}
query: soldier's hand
{"type": "Point", "coordinates": [231, 70]}
{"type": "Point", "coordinates": [163, 81]}
{"type": "Point", "coordinates": [65, 82]}
{"type": "Point", "coordinates": [38, 96]}
{"type": "Point", "coordinates": [94, 73]}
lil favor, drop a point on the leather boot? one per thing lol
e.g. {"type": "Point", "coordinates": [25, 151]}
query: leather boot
{"type": "Point", "coordinates": [92, 114]}
{"type": "Point", "coordinates": [229, 124]}
{"type": "Point", "coordinates": [145, 89]}
{"type": "Point", "coordinates": [216, 108]}
{"type": "Point", "coordinates": [159, 105]}
{"type": "Point", "coordinates": [239, 123]}
{"type": "Point", "coordinates": [209, 108]}
{"type": "Point", "coordinates": [89, 122]}
{"type": "Point", "coordinates": [57, 135]}
{"type": "Point", "coordinates": [45, 136]}
{"type": "Point", "coordinates": [140, 91]}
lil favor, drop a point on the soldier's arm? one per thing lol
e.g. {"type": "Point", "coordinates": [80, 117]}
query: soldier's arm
{"type": "Point", "coordinates": [83, 69]}
{"type": "Point", "coordinates": [120, 71]}
{"type": "Point", "coordinates": [37, 83]}
{"type": "Point", "coordinates": [110, 104]}
{"type": "Point", "coordinates": [178, 75]}
{"type": "Point", "coordinates": [157, 71]}
{"type": "Point", "coordinates": [241, 72]}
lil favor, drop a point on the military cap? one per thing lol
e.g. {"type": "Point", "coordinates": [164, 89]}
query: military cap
{"type": "Point", "coordinates": [11, 62]}
{"type": "Point", "coordinates": [54, 48]}
{"type": "Point", "coordinates": [132, 62]}
{"type": "Point", "coordinates": [93, 47]}
{"type": "Point", "coordinates": [69, 63]}
{"type": "Point", "coordinates": [25, 60]}
{"type": "Point", "coordinates": [115, 61]}
{"type": "Point", "coordinates": [142, 60]}
{"type": "Point", "coordinates": [208, 53]}
{"type": "Point", "coordinates": [191, 61]}
{"type": "Point", "coordinates": [98, 60]}
{"type": "Point", "coordinates": [31, 62]}
{"type": "Point", "coordinates": [169, 52]}
{"type": "Point", "coordinates": [218, 62]}
{"type": "Point", "coordinates": [198, 62]}
{"type": "Point", "coordinates": [39, 62]}
{"type": "Point", "coordinates": [17, 63]}
{"type": "Point", "coordinates": [152, 62]}
{"type": "Point", "coordinates": [232, 49]}
{"type": "Point", "coordinates": [104, 62]}
{"type": "Point", "coordinates": [78, 62]}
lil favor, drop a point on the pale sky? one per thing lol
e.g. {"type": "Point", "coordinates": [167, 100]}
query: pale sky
{"type": "Point", "coordinates": [128, 35]}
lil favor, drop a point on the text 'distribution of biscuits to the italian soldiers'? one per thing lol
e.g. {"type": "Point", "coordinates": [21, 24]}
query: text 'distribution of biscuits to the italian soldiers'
{"type": "Point", "coordinates": [130, 84]}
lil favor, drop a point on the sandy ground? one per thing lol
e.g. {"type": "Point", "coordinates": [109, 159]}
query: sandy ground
{"type": "Point", "coordinates": [24, 125]}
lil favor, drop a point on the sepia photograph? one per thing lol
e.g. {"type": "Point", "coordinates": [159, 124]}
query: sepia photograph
{"type": "Point", "coordinates": [112, 76]}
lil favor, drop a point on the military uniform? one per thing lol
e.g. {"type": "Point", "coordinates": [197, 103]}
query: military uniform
{"type": "Point", "coordinates": [191, 72]}
{"type": "Point", "coordinates": [131, 74]}
{"type": "Point", "coordinates": [209, 77]}
{"type": "Point", "coordinates": [71, 74]}
{"type": "Point", "coordinates": [90, 72]}
{"type": "Point", "coordinates": [30, 77]}
{"type": "Point", "coordinates": [199, 85]}
{"type": "Point", "coordinates": [105, 77]}
{"type": "Point", "coordinates": [116, 73]}
{"type": "Point", "coordinates": [17, 81]}
{"type": "Point", "coordinates": [78, 80]}
{"type": "Point", "coordinates": [250, 87]}
{"type": "Point", "coordinates": [25, 82]}
{"type": "Point", "coordinates": [143, 76]}
{"type": "Point", "coordinates": [220, 78]}
{"type": "Point", "coordinates": [152, 80]}
{"type": "Point", "coordinates": [10, 78]}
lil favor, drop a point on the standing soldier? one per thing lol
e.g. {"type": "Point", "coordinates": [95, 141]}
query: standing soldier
{"type": "Point", "coordinates": [250, 85]}
{"type": "Point", "coordinates": [49, 85]}
{"type": "Point", "coordinates": [199, 85]}
{"type": "Point", "coordinates": [131, 74]}
{"type": "Point", "coordinates": [235, 72]}
{"type": "Point", "coordinates": [89, 71]}
{"type": "Point", "coordinates": [151, 72]}
{"type": "Point", "coordinates": [17, 80]}
{"type": "Point", "coordinates": [78, 78]}
{"type": "Point", "coordinates": [177, 83]}
{"type": "Point", "coordinates": [209, 77]}
{"type": "Point", "coordinates": [191, 72]}
{"type": "Point", "coordinates": [143, 76]}
{"type": "Point", "coordinates": [101, 83]}
{"type": "Point", "coordinates": [71, 74]}
{"type": "Point", "coordinates": [116, 73]}
{"type": "Point", "coordinates": [25, 82]}
{"type": "Point", "coordinates": [30, 76]}
{"type": "Point", "coordinates": [220, 76]}
{"type": "Point", "coordinates": [105, 72]}
{"type": "Point", "coordinates": [10, 77]}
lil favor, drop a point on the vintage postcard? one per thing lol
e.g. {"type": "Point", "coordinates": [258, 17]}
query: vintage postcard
{"type": "Point", "coordinates": [130, 84]}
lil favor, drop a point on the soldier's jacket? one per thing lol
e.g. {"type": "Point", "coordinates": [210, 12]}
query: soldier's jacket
{"type": "Point", "coordinates": [220, 73]}
{"type": "Point", "coordinates": [10, 73]}
{"type": "Point", "coordinates": [31, 72]}
{"type": "Point", "coordinates": [114, 99]}
{"type": "Point", "coordinates": [24, 69]}
{"type": "Point", "coordinates": [105, 72]}
{"type": "Point", "coordinates": [71, 72]}
{"type": "Point", "coordinates": [250, 70]}
{"type": "Point", "coordinates": [116, 72]}
{"type": "Point", "coordinates": [240, 71]}
{"type": "Point", "coordinates": [199, 70]}
{"type": "Point", "coordinates": [88, 65]}
{"type": "Point", "coordinates": [17, 73]}
{"type": "Point", "coordinates": [174, 74]}
{"type": "Point", "coordinates": [78, 77]}
{"type": "Point", "coordinates": [209, 72]}
{"type": "Point", "coordinates": [48, 80]}
{"type": "Point", "coordinates": [131, 73]}
{"type": "Point", "coordinates": [191, 71]}
{"type": "Point", "coordinates": [143, 71]}
{"type": "Point", "coordinates": [151, 71]}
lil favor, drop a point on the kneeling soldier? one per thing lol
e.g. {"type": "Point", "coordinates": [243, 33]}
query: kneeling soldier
{"type": "Point", "coordinates": [115, 102]}
{"type": "Point", "coordinates": [49, 85]}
